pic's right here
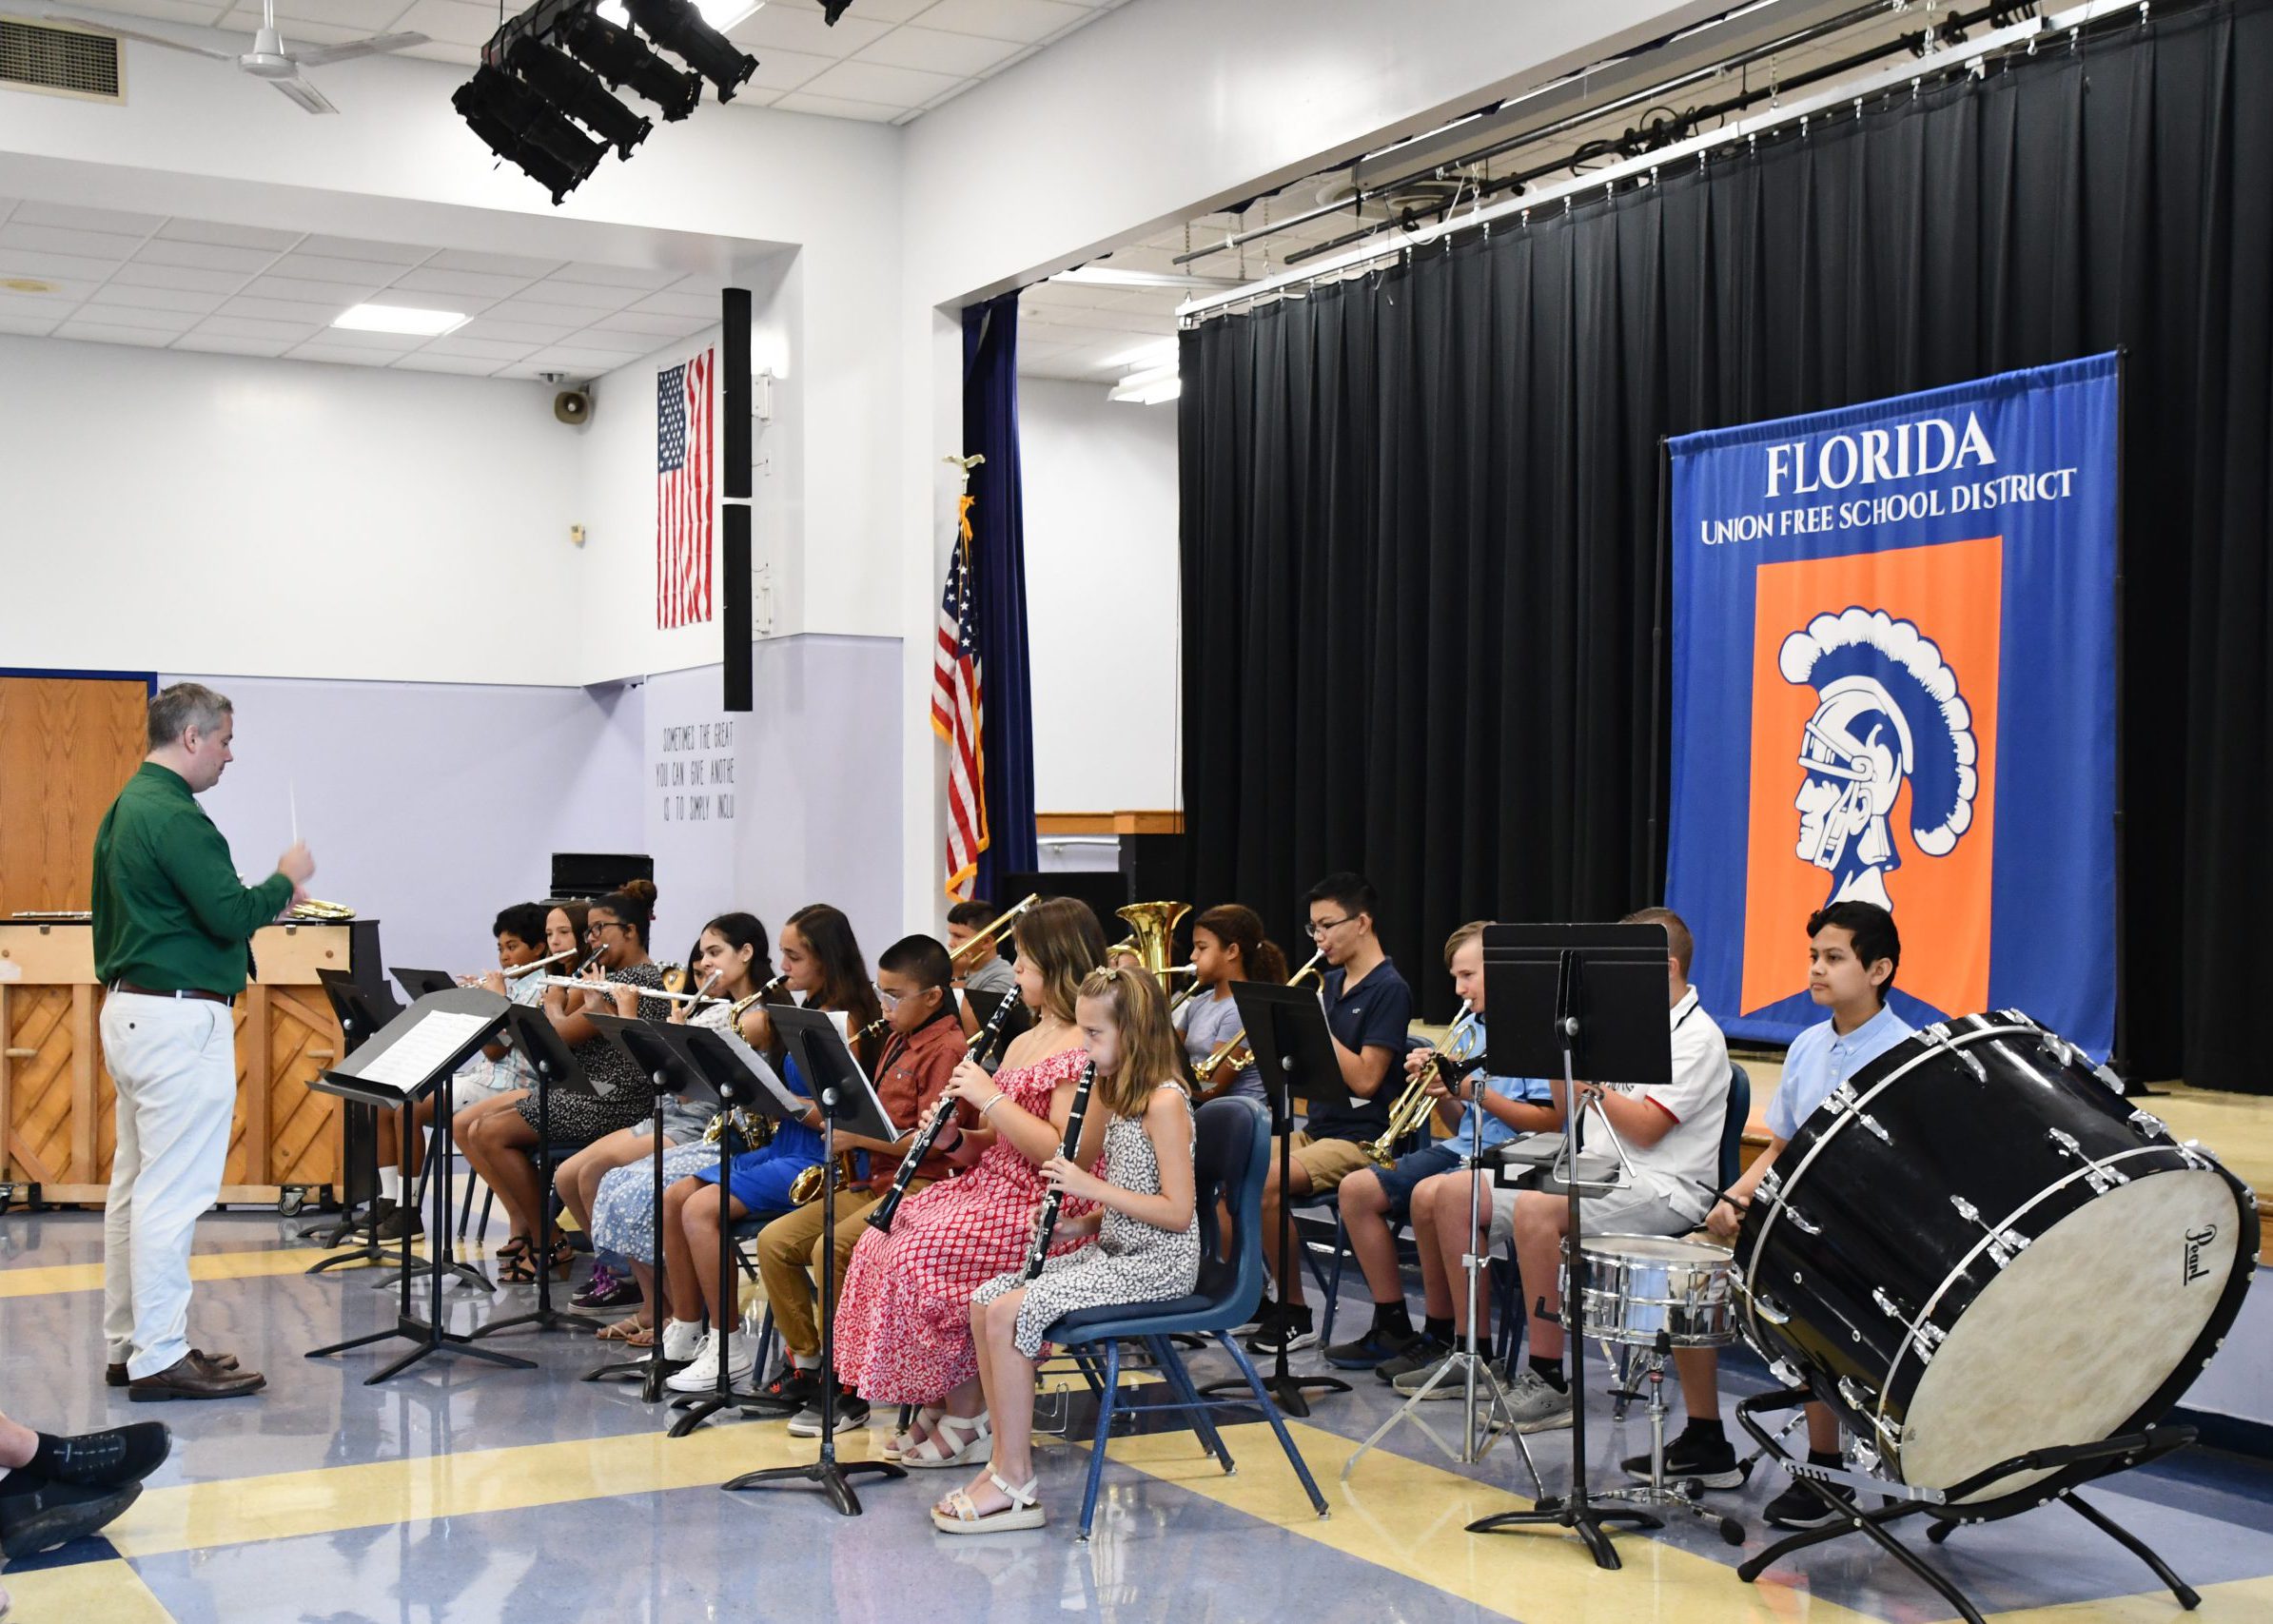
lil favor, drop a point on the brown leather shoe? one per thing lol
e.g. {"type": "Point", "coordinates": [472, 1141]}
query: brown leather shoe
{"type": "Point", "coordinates": [190, 1378]}
{"type": "Point", "coordinates": [115, 1375]}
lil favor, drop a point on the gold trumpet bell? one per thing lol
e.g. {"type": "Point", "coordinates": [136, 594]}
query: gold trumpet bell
{"type": "Point", "coordinates": [1152, 936]}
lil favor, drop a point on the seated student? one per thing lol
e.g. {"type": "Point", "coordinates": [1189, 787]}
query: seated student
{"type": "Point", "coordinates": [1854, 951]}
{"type": "Point", "coordinates": [1672, 1135]}
{"type": "Point", "coordinates": [926, 1045]}
{"type": "Point", "coordinates": [1375, 1200]}
{"type": "Point", "coordinates": [520, 937]}
{"type": "Point", "coordinates": [609, 1185]}
{"type": "Point", "coordinates": [1368, 1007]}
{"type": "Point", "coordinates": [1147, 1233]}
{"type": "Point", "coordinates": [983, 970]}
{"type": "Point", "coordinates": [903, 1332]}
{"type": "Point", "coordinates": [1228, 946]}
{"type": "Point", "coordinates": [498, 1143]}
{"type": "Point", "coordinates": [821, 958]}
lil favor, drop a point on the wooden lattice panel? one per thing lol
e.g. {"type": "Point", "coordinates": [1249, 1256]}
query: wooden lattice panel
{"type": "Point", "coordinates": [303, 1141]}
{"type": "Point", "coordinates": [39, 1083]}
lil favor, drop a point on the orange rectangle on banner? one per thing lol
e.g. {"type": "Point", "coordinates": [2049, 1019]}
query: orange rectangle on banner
{"type": "Point", "coordinates": [1873, 761]}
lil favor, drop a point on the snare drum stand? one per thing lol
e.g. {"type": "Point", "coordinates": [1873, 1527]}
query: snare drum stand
{"type": "Point", "coordinates": [1683, 1494]}
{"type": "Point", "coordinates": [1466, 1364]}
{"type": "Point", "coordinates": [1578, 1510]}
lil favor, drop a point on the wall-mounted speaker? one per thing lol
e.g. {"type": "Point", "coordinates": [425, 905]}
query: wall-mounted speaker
{"type": "Point", "coordinates": [573, 406]}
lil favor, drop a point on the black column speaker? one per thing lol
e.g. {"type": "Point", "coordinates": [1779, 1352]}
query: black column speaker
{"type": "Point", "coordinates": [734, 485]}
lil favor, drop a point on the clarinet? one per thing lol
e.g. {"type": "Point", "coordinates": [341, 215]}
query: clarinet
{"type": "Point", "coordinates": [881, 1214]}
{"type": "Point", "coordinates": [1046, 1220]}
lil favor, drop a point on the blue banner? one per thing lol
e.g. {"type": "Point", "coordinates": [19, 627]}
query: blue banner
{"type": "Point", "coordinates": [1894, 629]}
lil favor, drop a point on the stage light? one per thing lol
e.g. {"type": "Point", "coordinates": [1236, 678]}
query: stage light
{"type": "Point", "coordinates": [519, 126]}
{"type": "Point", "coordinates": [832, 9]}
{"type": "Point", "coordinates": [575, 92]}
{"type": "Point", "coordinates": [679, 28]}
{"type": "Point", "coordinates": [622, 58]}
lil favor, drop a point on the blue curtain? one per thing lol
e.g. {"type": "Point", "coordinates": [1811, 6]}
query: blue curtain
{"type": "Point", "coordinates": [998, 564]}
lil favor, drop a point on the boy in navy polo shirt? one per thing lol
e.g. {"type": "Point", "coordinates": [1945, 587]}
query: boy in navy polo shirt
{"type": "Point", "coordinates": [1368, 1008]}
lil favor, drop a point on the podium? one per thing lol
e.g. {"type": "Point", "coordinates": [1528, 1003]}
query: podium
{"type": "Point", "coordinates": [413, 1054]}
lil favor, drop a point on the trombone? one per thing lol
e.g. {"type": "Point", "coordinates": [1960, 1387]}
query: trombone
{"type": "Point", "coordinates": [1235, 1045]}
{"type": "Point", "coordinates": [989, 936]}
{"type": "Point", "coordinates": [1413, 1106]}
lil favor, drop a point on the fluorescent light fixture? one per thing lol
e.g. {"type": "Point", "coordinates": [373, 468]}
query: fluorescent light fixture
{"type": "Point", "coordinates": [720, 15]}
{"type": "Point", "coordinates": [1148, 387]}
{"type": "Point", "coordinates": [1113, 276]}
{"type": "Point", "coordinates": [400, 318]}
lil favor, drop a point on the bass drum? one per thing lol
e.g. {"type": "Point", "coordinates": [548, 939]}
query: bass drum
{"type": "Point", "coordinates": [1976, 1247]}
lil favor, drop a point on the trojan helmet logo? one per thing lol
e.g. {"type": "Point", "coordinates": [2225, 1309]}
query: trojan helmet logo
{"type": "Point", "coordinates": [1890, 712]}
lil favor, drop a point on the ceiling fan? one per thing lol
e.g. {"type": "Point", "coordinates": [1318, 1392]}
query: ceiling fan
{"type": "Point", "coordinates": [268, 59]}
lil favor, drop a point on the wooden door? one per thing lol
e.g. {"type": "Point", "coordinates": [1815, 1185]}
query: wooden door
{"type": "Point", "coordinates": [67, 743]}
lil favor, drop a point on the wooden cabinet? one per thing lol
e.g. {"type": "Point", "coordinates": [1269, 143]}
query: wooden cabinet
{"type": "Point", "coordinates": [56, 1095]}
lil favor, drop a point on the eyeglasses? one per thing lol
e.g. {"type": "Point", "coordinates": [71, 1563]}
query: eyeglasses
{"type": "Point", "coordinates": [598, 925]}
{"type": "Point", "coordinates": [891, 1000]}
{"type": "Point", "coordinates": [1318, 927]}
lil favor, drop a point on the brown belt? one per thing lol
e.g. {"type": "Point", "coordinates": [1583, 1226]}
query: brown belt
{"type": "Point", "coordinates": [184, 992]}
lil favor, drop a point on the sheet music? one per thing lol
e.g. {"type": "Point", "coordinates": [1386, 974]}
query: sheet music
{"type": "Point", "coordinates": [408, 1062]}
{"type": "Point", "coordinates": [790, 1103]}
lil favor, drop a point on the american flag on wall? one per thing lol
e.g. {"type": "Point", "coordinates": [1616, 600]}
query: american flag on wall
{"type": "Point", "coordinates": [956, 715]}
{"type": "Point", "coordinates": [682, 493]}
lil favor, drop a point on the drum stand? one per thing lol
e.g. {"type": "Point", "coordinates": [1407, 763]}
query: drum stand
{"type": "Point", "coordinates": [1682, 1494]}
{"type": "Point", "coordinates": [2072, 1465]}
{"type": "Point", "coordinates": [1466, 1364]}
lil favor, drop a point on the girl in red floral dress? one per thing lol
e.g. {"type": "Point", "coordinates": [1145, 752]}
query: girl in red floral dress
{"type": "Point", "coordinates": [903, 1328]}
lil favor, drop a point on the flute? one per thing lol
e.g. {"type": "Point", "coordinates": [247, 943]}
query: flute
{"type": "Point", "coordinates": [880, 1216]}
{"type": "Point", "coordinates": [579, 985]}
{"type": "Point", "coordinates": [535, 964]}
{"type": "Point", "coordinates": [1046, 1220]}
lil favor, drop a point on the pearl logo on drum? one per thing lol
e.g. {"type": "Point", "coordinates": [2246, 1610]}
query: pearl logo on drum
{"type": "Point", "coordinates": [2196, 1241]}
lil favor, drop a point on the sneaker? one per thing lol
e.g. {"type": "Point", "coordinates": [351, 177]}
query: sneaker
{"type": "Point", "coordinates": [1536, 1405]}
{"type": "Point", "coordinates": [682, 1339]}
{"type": "Point", "coordinates": [1287, 1327]}
{"type": "Point", "coordinates": [1413, 1382]}
{"type": "Point", "coordinates": [399, 1221]}
{"type": "Point", "coordinates": [702, 1375]}
{"type": "Point", "coordinates": [608, 1289]}
{"type": "Point", "coordinates": [1370, 1350]}
{"type": "Point", "coordinates": [852, 1415]}
{"type": "Point", "coordinates": [1709, 1462]}
{"type": "Point", "coordinates": [1800, 1507]}
{"type": "Point", "coordinates": [39, 1514]}
{"type": "Point", "coordinates": [1419, 1354]}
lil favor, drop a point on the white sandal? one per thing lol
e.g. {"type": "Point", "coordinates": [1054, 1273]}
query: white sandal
{"type": "Point", "coordinates": [897, 1446]}
{"type": "Point", "coordinates": [1025, 1509]}
{"type": "Point", "coordinates": [955, 1441]}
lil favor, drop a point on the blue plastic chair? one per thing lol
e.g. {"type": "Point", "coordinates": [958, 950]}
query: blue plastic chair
{"type": "Point", "coordinates": [1231, 1154]}
{"type": "Point", "coordinates": [1732, 1127]}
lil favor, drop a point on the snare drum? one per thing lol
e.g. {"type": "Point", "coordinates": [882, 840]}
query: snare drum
{"type": "Point", "coordinates": [1638, 1285]}
{"type": "Point", "coordinates": [1976, 1247]}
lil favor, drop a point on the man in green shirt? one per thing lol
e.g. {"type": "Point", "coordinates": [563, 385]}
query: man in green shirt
{"type": "Point", "coordinates": [173, 936]}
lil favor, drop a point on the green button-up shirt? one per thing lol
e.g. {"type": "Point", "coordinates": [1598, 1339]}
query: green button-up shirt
{"type": "Point", "coordinates": [171, 913]}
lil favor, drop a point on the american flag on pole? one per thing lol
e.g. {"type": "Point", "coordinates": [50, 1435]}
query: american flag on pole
{"type": "Point", "coordinates": [956, 715]}
{"type": "Point", "coordinates": [682, 493]}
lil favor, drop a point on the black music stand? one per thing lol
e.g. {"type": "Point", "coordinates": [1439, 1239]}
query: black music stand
{"type": "Point", "coordinates": [647, 1045]}
{"type": "Point", "coordinates": [1566, 999]}
{"type": "Point", "coordinates": [1287, 1030]}
{"type": "Point", "coordinates": [845, 1094]}
{"type": "Point", "coordinates": [419, 983]}
{"type": "Point", "coordinates": [361, 1018]}
{"type": "Point", "coordinates": [556, 1067]}
{"type": "Point", "coordinates": [414, 1053]}
{"type": "Point", "coordinates": [740, 1077]}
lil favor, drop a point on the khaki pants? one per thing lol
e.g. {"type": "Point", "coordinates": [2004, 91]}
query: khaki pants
{"type": "Point", "coordinates": [789, 1263]}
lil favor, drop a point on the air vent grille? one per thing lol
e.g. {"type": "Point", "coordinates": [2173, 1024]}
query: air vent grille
{"type": "Point", "coordinates": [59, 61]}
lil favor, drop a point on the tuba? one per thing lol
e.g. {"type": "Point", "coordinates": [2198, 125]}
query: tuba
{"type": "Point", "coordinates": [1151, 937]}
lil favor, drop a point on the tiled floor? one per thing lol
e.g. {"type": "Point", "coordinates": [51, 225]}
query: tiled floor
{"type": "Point", "coordinates": [465, 1492]}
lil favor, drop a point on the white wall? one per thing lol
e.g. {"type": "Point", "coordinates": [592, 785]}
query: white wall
{"type": "Point", "coordinates": [1101, 514]}
{"type": "Point", "coordinates": [166, 510]}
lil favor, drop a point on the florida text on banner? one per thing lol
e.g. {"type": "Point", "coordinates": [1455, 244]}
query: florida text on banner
{"type": "Point", "coordinates": [1894, 670]}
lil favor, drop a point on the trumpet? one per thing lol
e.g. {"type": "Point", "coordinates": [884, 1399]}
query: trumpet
{"type": "Point", "coordinates": [1413, 1106]}
{"type": "Point", "coordinates": [1235, 1046]}
{"type": "Point", "coordinates": [881, 1215]}
{"type": "Point", "coordinates": [989, 937]}
{"type": "Point", "coordinates": [1037, 1249]}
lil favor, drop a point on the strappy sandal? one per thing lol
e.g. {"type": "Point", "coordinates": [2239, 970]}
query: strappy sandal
{"type": "Point", "coordinates": [897, 1446]}
{"type": "Point", "coordinates": [955, 1441]}
{"type": "Point", "coordinates": [564, 1259]}
{"type": "Point", "coordinates": [962, 1517]}
{"type": "Point", "coordinates": [517, 1267]}
{"type": "Point", "coordinates": [629, 1332]}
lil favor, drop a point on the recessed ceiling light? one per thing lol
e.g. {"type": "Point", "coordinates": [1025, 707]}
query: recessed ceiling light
{"type": "Point", "coordinates": [720, 15]}
{"type": "Point", "coordinates": [28, 285]}
{"type": "Point", "coordinates": [400, 318]}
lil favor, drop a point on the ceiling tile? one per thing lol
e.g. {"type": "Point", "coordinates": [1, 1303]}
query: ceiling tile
{"type": "Point", "coordinates": [135, 274]}
{"type": "Point", "coordinates": [868, 10]}
{"type": "Point", "coordinates": [129, 315]}
{"type": "Point", "coordinates": [491, 264]}
{"type": "Point", "coordinates": [60, 267]}
{"type": "Point", "coordinates": [831, 107]}
{"type": "Point", "coordinates": [940, 53]}
{"type": "Point", "coordinates": [541, 315]}
{"type": "Point", "coordinates": [326, 268]}
{"type": "Point", "coordinates": [172, 299]}
{"type": "Point", "coordinates": [491, 350]}
{"type": "Point", "coordinates": [350, 337]}
{"type": "Point", "coordinates": [227, 236]}
{"type": "Point", "coordinates": [95, 332]}
{"type": "Point", "coordinates": [364, 16]}
{"type": "Point", "coordinates": [26, 326]}
{"type": "Point", "coordinates": [55, 240]}
{"type": "Point", "coordinates": [297, 30]}
{"type": "Point", "coordinates": [787, 70]}
{"type": "Point", "coordinates": [879, 83]}
{"type": "Point", "coordinates": [207, 256]}
{"type": "Point", "coordinates": [217, 344]}
{"type": "Point", "coordinates": [1025, 21]}
{"type": "Point", "coordinates": [585, 295]}
{"type": "Point", "coordinates": [78, 219]}
{"type": "Point", "coordinates": [337, 296]}
{"type": "Point", "coordinates": [448, 21]}
{"type": "Point", "coordinates": [793, 29]}
{"type": "Point", "coordinates": [523, 333]}
{"type": "Point", "coordinates": [291, 311]}
{"type": "Point", "coordinates": [468, 284]}
{"type": "Point", "coordinates": [642, 325]}
{"type": "Point", "coordinates": [247, 327]}
{"type": "Point", "coordinates": [616, 276]}
{"type": "Point", "coordinates": [199, 13]}
{"type": "Point", "coordinates": [354, 248]}
{"type": "Point", "coordinates": [575, 358]}
{"type": "Point", "coordinates": [676, 303]}
{"type": "Point", "coordinates": [341, 355]}
{"type": "Point", "coordinates": [427, 360]}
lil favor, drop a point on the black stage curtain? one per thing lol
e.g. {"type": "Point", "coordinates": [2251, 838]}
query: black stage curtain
{"type": "Point", "coordinates": [1420, 508]}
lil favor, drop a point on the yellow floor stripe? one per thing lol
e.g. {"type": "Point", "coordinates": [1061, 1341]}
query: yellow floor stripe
{"type": "Point", "coordinates": [48, 1279]}
{"type": "Point", "coordinates": [88, 1593]}
{"type": "Point", "coordinates": [2238, 1601]}
{"type": "Point", "coordinates": [1411, 1518]}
